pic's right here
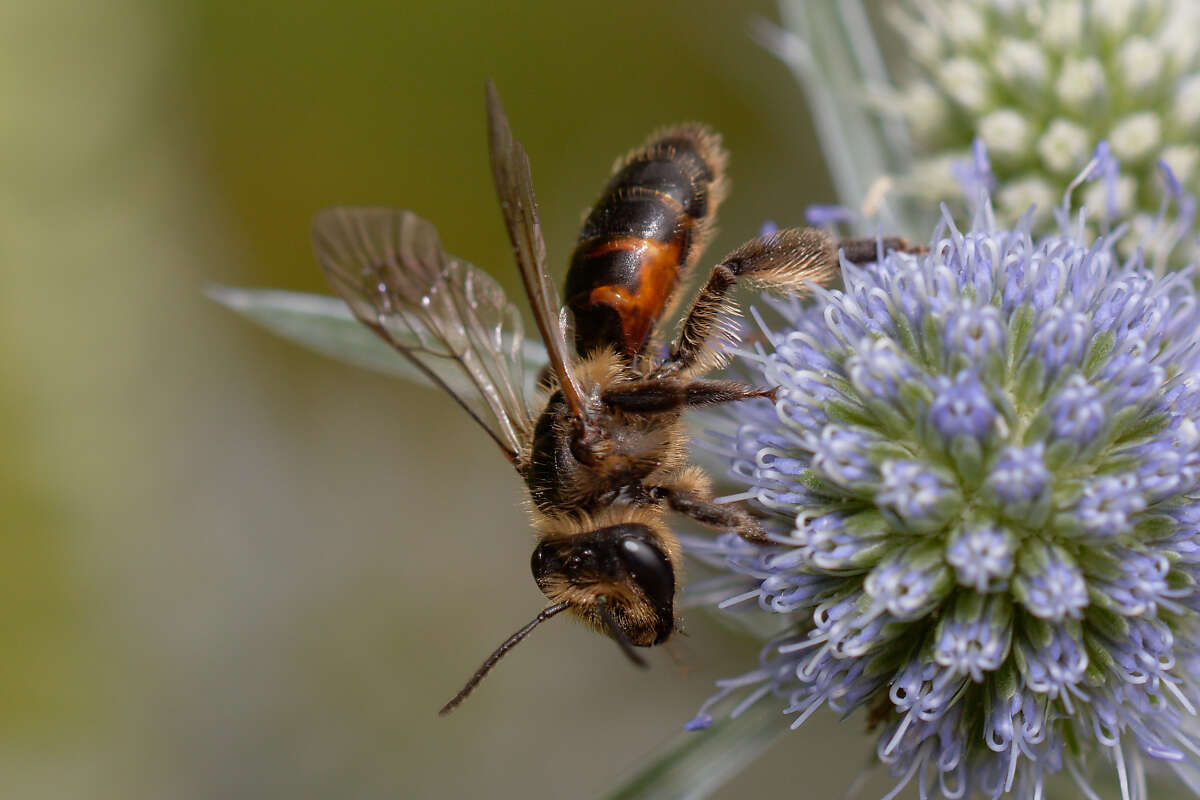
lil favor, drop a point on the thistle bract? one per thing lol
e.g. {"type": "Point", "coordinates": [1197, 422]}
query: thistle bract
{"type": "Point", "coordinates": [980, 474]}
{"type": "Point", "coordinates": [1041, 82]}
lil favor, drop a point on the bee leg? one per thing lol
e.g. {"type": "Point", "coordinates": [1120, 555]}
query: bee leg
{"type": "Point", "coordinates": [712, 315]}
{"type": "Point", "coordinates": [662, 395]}
{"type": "Point", "coordinates": [784, 261]}
{"type": "Point", "coordinates": [867, 249]}
{"type": "Point", "coordinates": [710, 393]}
{"type": "Point", "coordinates": [700, 507]}
{"type": "Point", "coordinates": [787, 262]}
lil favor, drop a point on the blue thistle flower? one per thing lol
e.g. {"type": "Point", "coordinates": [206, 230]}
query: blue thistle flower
{"type": "Point", "coordinates": [981, 477]}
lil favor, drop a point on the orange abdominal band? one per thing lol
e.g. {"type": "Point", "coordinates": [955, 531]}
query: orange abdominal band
{"type": "Point", "coordinates": [640, 305]}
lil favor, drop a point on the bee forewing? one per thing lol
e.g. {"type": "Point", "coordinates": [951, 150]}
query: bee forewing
{"type": "Point", "coordinates": [389, 266]}
{"type": "Point", "coordinates": [514, 186]}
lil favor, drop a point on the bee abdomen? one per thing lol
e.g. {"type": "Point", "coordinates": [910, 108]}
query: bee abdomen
{"type": "Point", "coordinates": [646, 230]}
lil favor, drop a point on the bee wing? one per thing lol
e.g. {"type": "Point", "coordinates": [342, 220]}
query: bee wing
{"type": "Point", "coordinates": [389, 266]}
{"type": "Point", "coordinates": [514, 185]}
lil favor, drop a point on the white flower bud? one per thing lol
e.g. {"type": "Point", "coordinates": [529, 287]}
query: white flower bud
{"type": "Point", "coordinates": [963, 24]}
{"type": "Point", "coordinates": [1006, 134]}
{"type": "Point", "coordinates": [1015, 12]}
{"type": "Point", "coordinates": [1046, 80]}
{"type": "Point", "coordinates": [1095, 197]}
{"type": "Point", "coordinates": [934, 177]}
{"type": "Point", "coordinates": [920, 40]}
{"type": "Point", "coordinates": [1177, 39]}
{"type": "Point", "coordinates": [1140, 62]}
{"type": "Point", "coordinates": [1062, 27]}
{"type": "Point", "coordinates": [1187, 101]}
{"type": "Point", "coordinates": [1141, 230]}
{"type": "Point", "coordinates": [1113, 16]}
{"type": "Point", "coordinates": [1019, 194]}
{"type": "Point", "coordinates": [1135, 137]}
{"type": "Point", "coordinates": [1080, 82]}
{"type": "Point", "coordinates": [924, 109]}
{"type": "Point", "coordinates": [1182, 159]}
{"type": "Point", "coordinates": [1019, 61]}
{"type": "Point", "coordinates": [966, 82]}
{"type": "Point", "coordinates": [1064, 146]}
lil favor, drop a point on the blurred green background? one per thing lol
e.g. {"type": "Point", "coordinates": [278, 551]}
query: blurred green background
{"type": "Point", "coordinates": [232, 568]}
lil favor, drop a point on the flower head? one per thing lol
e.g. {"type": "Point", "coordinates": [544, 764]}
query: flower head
{"type": "Point", "coordinates": [1041, 83]}
{"type": "Point", "coordinates": [981, 477]}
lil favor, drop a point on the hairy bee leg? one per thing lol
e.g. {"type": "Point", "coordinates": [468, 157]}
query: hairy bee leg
{"type": "Point", "coordinates": [784, 261]}
{"type": "Point", "coordinates": [706, 512]}
{"type": "Point", "coordinates": [708, 317]}
{"type": "Point", "coordinates": [709, 392]}
{"type": "Point", "coordinates": [661, 395]}
{"type": "Point", "coordinates": [866, 249]}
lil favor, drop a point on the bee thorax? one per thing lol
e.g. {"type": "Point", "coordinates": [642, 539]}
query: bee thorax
{"type": "Point", "coordinates": [577, 466]}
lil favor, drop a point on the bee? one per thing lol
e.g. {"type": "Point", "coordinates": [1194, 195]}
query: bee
{"type": "Point", "coordinates": [604, 454]}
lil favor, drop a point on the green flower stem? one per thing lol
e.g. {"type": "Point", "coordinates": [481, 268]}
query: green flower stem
{"type": "Point", "coordinates": [695, 764]}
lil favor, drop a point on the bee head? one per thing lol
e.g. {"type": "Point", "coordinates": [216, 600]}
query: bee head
{"type": "Point", "coordinates": [617, 573]}
{"type": "Point", "coordinates": [617, 578]}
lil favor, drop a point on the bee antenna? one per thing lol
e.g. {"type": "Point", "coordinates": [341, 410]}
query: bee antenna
{"type": "Point", "coordinates": [610, 622]}
{"type": "Point", "coordinates": [505, 646]}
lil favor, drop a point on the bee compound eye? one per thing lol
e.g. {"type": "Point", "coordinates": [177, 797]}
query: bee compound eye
{"type": "Point", "coordinates": [649, 568]}
{"type": "Point", "coordinates": [544, 561]}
